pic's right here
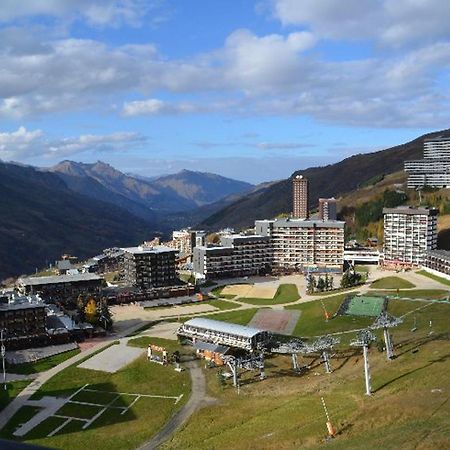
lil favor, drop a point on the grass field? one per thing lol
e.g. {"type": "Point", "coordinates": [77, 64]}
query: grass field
{"type": "Point", "coordinates": [286, 293]}
{"type": "Point", "coordinates": [432, 294]}
{"type": "Point", "coordinates": [12, 390]}
{"type": "Point", "coordinates": [43, 364]}
{"type": "Point", "coordinates": [392, 283]}
{"type": "Point", "coordinates": [409, 408]}
{"type": "Point", "coordinates": [434, 277]}
{"type": "Point", "coordinates": [222, 304]}
{"type": "Point", "coordinates": [241, 317]}
{"type": "Point", "coordinates": [365, 306]}
{"type": "Point", "coordinates": [111, 430]}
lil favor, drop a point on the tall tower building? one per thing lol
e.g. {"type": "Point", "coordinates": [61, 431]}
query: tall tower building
{"type": "Point", "coordinates": [408, 234]}
{"type": "Point", "coordinates": [327, 208]}
{"type": "Point", "coordinates": [300, 197]}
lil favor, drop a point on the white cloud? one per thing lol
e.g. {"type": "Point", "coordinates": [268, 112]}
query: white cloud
{"type": "Point", "coordinates": [100, 13]}
{"type": "Point", "coordinates": [250, 75]}
{"type": "Point", "coordinates": [393, 23]}
{"type": "Point", "coordinates": [23, 144]}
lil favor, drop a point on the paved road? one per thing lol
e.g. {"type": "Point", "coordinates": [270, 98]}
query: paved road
{"type": "Point", "coordinates": [197, 398]}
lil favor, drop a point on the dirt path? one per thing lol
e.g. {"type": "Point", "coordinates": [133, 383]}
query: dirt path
{"type": "Point", "coordinates": [198, 397]}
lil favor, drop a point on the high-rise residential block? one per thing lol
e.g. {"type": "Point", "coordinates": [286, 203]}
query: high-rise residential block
{"type": "Point", "coordinates": [300, 207]}
{"type": "Point", "coordinates": [408, 234]}
{"type": "Point", "coordinates": [149, 267]}
{"type": "Point", "coordinates": [434, 169]}
{"type": "Point", "coordinates": [327, 209]}
{"type": "Point", "coordinates": [305, 244]}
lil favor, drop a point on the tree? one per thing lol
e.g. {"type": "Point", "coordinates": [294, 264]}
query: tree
{"type": "Point", "coordinates": [328, 282]}
{"type": "Point", "coordinates": [90, 311]}
{"type": "Point", "coordinates": [321, 285]}
{"type": "Point", "coordinates": [81, 305]}
{"type": "Point", "coordinates": [350, 278]}
{"type": "Point", "coordinates": [104, 314]}
{"type": "Point", "coordinates": [310, 284]}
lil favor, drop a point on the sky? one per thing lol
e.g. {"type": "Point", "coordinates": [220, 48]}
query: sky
{"type": "Point", "coordinates": [249, 90]}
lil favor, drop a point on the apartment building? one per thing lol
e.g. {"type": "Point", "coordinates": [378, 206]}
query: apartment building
{"type": "Point", "coordinates": [434, 169]}
{"type": "Point", "coordinates": [24, 320]}
{"type": "Point", "coordinates": [437, 262]}
{"type": "Point", "coordinates": [300, 207]}
{"type": "Point", "coordinates": [408, 234]}
{"type": "Point", "coordinates": [327, 209]}
{"type": "Point", "coordinates": [238, 255]}
{"type": "Point", "coordinates": [149, 267]}
{"type": "Point", "coordinates": [305, 244]}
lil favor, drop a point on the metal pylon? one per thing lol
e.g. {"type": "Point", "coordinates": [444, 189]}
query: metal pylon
{"type": "Point", "coordinates": [363, 339]}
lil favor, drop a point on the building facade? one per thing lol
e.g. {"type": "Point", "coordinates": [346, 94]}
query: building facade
{"type": "Point", "coordinates": [408, 234]}
{"type": "Point", "coordinates": [327, 209]}
{"type": "Point", "coordinates": [60, 287]}
{"type": "Point", "coordinates": [149, 267]}
{"type": "Point", "coordinates": [300, 206]}
{"type": "Point", "coordinates": [434, 169]}
{"type": "Point", "coordinates": [437, 262]}
{"type": "Point", "coordinates": [302, 245]}
{"type": "Point", "coordinates": [237, 256]}
{"type": "Point", "coordinates": [24, 320]}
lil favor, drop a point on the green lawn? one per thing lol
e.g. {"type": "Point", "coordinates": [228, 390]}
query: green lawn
{"type": "Point", "coordinates": [286, 293]}
{"type": "Point", "coordinates": [241, 317]}
{"type": "Point", "coordinates": [43, 364]}
{"type": "Point", "coordinates": [434, 277]}
{"type": "Point", "coordinates": [111, 430]}
{"type": "Point", "coordinates": [12, 390]}
{"type": "Point", "coordinates": [312, 318]}
{"type": "Point", "coordinates": [409, 408]}
{"type": "Point", "coordinates": [392, 283]}
{"type": "Point", "coordinates": [222, 304]}
{"type": "Point", "coordinates": [431, 294]}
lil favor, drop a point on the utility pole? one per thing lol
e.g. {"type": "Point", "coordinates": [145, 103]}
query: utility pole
{"type": "Point", "coordinates": [3, 353]}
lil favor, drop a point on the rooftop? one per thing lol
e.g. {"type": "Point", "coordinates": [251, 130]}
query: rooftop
{"type": "Point", "coordinates": [409, 210]}
{"type": "Point", "coordinates": [141, 250]}
{"type": "Point", "coordinates": [54, 279]}
{"type": "Point", "coordinates": [224, 327]}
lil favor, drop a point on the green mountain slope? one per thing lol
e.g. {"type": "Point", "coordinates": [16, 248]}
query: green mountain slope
{"type": "Point", "coordinates": [41, 218]}
{"type": "Point", "coordinates": [332, 180]}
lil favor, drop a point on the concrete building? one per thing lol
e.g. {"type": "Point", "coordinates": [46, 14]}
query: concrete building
{"type": "Point", "coordinates": [434, 169]}
{"type": "Point", "coordinates": [437, 262]}
{"type": "Point", "coordinates": [149, 267]}
{"type": "Point", "coordinates": [185, 240]}
{"type": "Point", "coordinates": [24, 319]}
{"type": "Point", "coordinates": [238, 255]}
{"type": "Point", "coordinates": [300, 209]}
{"type": "Point", "coordinates": [305, 244]}
{"type": "Point", "coordinates": [408, 234]}
{"type": "Point", "coordinates": [327, 209]}
{"type": "Point", "coordinates": [60, 287]}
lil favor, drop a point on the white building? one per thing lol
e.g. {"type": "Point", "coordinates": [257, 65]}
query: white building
{"type": "Point", "coordinates": [305, 244]}
{"type": "Point", "coordinates": [408, 234]}
{"type": "Point", "coordinates": [434, 169]}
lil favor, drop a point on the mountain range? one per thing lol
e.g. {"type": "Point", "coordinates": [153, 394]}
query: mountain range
{"type": "Point", "coordinates": [83, 208]}
{"type": "Point", "coordinates": [331, 180]}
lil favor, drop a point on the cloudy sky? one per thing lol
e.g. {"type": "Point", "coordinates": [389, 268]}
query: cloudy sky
{"type": "Point", "coordinates": [251, 90]}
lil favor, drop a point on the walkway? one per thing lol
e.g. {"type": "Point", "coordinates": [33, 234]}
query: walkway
{"type": "Point", "coordinates": [25, 395]}
{"type": "Point", "coordinates": [196, 400]}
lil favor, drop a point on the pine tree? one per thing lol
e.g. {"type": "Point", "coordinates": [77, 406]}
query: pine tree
{"type": "Point", "coordinates": [321, 284]}
{"type": "Point", "coordinates": [104, 314]}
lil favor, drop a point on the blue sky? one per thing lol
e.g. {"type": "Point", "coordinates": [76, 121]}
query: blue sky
{"type": "Point", "coordinates": [251, 90]}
